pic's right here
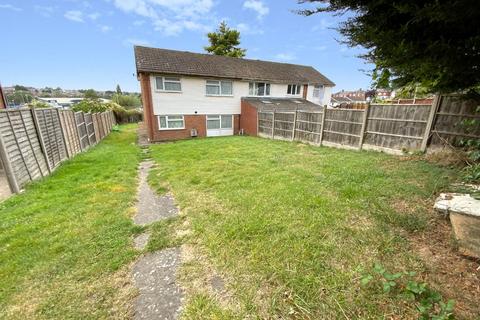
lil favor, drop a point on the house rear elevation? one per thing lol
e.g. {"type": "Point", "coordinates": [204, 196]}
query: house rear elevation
{"type": "Point", "coordinates": [190, 94]}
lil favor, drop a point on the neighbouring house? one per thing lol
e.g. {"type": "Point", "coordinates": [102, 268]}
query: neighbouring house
{"type": "Point", "coordinates": [188, 94]}
{"type": "Point", "coordinates": [63, 102]}
{"type": "Point", "coordinates": [3, 101]}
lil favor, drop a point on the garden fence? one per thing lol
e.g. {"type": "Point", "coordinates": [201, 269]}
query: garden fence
{"type": "Point", "coordinates": [34, 142]}
{"type": "Point", "coordinates": [392, 128]}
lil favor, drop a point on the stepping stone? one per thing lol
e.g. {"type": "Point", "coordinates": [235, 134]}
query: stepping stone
{"type": "Point", "coordinates": [141, 241]}
{"type": "Point", "coordinates": [464, 212]}
{"type": "Point", "coordinates": [160, 296]}
{"type": "Point", "coordinates": [152, 207]}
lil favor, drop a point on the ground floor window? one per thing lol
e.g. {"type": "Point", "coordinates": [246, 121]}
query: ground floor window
{"type": "Point", "coordinates": [171, 122]}
{"type": "Point", "coordinates": [219, 122]}
{"type": "Point", "coordinates": [293, 89]}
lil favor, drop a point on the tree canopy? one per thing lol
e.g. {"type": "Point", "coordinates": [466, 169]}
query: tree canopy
{"type": "Point", "coordinates": [91, 94]}
{"type": "Point", "coordinates": [224, 42]}
{"type": "Point", "coordinates": [433, 43]}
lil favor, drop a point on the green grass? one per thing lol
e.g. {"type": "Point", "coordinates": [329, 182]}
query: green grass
{"type": "Point", "coordinates": [293, 227]}
{"type": "Point", "coordinates": [65, 243]}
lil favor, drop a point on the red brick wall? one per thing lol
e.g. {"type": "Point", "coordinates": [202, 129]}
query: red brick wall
{"type": "Point", "coordinates": [191, 122]}
{"type": "Point", "coordinates": [148, 116]}
{"type": "Point", "coordinates": [248, 119]}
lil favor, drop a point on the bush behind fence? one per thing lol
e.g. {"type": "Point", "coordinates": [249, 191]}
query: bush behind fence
{"type": "Point", "coordinates": [386, 127]}
{"type": "Point", "coordinates": [34, 142]}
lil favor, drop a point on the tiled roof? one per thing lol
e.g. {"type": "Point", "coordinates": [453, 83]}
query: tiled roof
{"type": "Point", "coordinates": [282, 104]}
{"type": "Point", "coordinates": [165, 61]}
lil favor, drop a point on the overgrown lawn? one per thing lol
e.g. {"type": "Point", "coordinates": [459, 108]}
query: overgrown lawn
{"type": "Point", "coordinates": [65, 243]}
{"type": "Point", "coordinates": [292, 228]}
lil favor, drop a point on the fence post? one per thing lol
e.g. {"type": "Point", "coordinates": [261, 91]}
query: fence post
{"type": "Point", "coordinates": [364, 126]}
{"type": "Point", "coordinates": [431, 118]}
{"type": "Point", "coordinates": [273, 124]}
{"type": "Point", "coordinates": [294, 124]}
{"type": "Point", "coordinates": [40, 138]}
{"type": "Point", "coordinates": [323, 124]}
{"type": "Point", "coordinates": [258, 122]}
{"type": "Point", "coordinates": [12, 180]}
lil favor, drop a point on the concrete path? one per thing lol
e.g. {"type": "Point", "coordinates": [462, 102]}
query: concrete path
{"type": "Point", "coordinates": [152, 207]}
{"type": "Point", "coordinates": [4, 188]}
{"type": "Point", "coordinates": [154, 274]}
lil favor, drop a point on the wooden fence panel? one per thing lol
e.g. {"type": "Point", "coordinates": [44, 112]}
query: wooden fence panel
{"type": "Point", "coordinates": [308, 127]}
{"type": "Point", "coordinates": [283, 125]}
{"type": "Point", "coordinates": [69, 127]}
{"type": "Point", "coordinates": [448, 126]}
{"type": "Point", "coordinates": [21, 149]}
{"type": "Point", "coordinates": [265, 124]}
{"type": "Point", "coordinates": [90, 129]}
{"type": "Point", "coordinates": [82, 130]}
{"type": "Point", "coordinates": [343, 127]}
{"type": "Point", "coordinates": [51, 135]}
{"type": "Point", "coordinates": [396, 126]}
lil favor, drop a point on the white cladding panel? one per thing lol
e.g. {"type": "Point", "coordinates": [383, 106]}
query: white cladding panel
{"type": "Point", "coordinates": [325, 95]}
{"type": "Point", "coordinates": [194, 100]}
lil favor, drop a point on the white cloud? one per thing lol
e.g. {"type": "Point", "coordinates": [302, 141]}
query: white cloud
{"type": "Point", "coordinates": [105, 29]}
{"type": "Point", "coordinates": [285, 56]}
{"type": "Point", "coordinates": [138, 23]}
{"type": "Point", "coordinates": [94, 15]}
{"type": "Point", "coordinates": [246, 29]}
{"type": "Point", "coordinates": [45, 10]}
{"type": "Point", "coordinates": [10, 7]}
{"type": "Point", "coordinates": [74, 15]}
{"type": "Point", "coordinates": [171, 17]}
{"type": "Point", "coordinates": [258, 6]}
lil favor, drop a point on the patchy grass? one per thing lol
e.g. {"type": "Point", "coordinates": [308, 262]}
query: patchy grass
{"type": "Point", "coordinates": [294, 226]}
{"type": "Point", "coordinates": [65, 243]}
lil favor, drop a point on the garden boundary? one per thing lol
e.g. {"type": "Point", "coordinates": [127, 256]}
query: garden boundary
{"type": "Point", "coordinates": [392, 128]}
{"type": "Point", "coordinates": [34, 142]}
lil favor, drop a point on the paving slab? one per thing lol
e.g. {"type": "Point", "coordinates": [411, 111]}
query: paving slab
{"type": "Point", "coordinates": [152, 207]}
{"type": "Point", "coordinates": [160, 297]}
{"type": "Point", "coordinates": [141, 241]}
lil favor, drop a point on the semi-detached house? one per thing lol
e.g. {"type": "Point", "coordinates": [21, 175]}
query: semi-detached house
{"type": "Point", "coordinates": [190, 94]}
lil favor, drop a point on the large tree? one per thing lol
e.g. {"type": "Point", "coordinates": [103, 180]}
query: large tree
{"type": "Point", "coordinates": [435, 43]}
{"type": "Point", "coordinates": [224, 42]}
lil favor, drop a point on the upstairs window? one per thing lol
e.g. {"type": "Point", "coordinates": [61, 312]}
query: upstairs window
{"type": "Point", "coordinates": [316, 91]}
{"type": "Point", "coordinates": [219, 88]}
{"type": "Point", "coordinates": [172, 84]}
{"type": "Point", "coordinates": [293, 89]}
{"type": "Point", "coordinates": [171, 122]}
{"type": "Point", "coordinates": [259, 89]}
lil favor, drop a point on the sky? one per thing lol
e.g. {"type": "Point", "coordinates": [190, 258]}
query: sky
{"type": "Point", "coordinates": [81, 44]}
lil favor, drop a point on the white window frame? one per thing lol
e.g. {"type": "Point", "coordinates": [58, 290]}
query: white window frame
{"type": "Point", "coordinates": [297, 89]}
{"type": "Point", "coordinates": [255, 89]}
{"type": "Point", "coordinates": [179, 81]}
{"type": "Point", "coordinates": [219, 85]}
{"type": "Point", "coordinates": [167, 121]}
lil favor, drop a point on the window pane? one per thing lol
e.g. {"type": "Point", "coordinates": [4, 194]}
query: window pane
{"type": "Point", "coordinates": [159, 82]}
{"type": "Point", "coordinates": [298, 89]}
{"type": "Point", "coordinates": [175, 117]}
{"type": "Point", "coordinates": [173, 86]}
{"type": "Point", "coordinates": [289, 89]}
{"type": "Point", "coordinates": [163, 122]}
{"type": "Point", "coordinates": [250, 88]}
{"type": "Point", "coordinates": [267, 91]}
{"type": "Point", "coordinates": [213, 124]}
{"type": "Point", "coordinates": [261, 89]}
{"type": "Point", "coordinates": [226, 122]}
{"type": "Point", "coordinates": [215, 82]}
{"type": "Point", "coordinates": [226, 87]}
{"type": "Point", "coordinates": [213, 89]}
{"type": "Point", "coordinates": [213, 117]}
{"type": "Point", "coordinates": [172, 79]}
{"type": "Point", "coordinates": [175, 124]}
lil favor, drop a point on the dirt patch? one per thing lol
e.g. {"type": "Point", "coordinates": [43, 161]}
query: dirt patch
{"type": "Point", "coordinates": [455, 275]}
